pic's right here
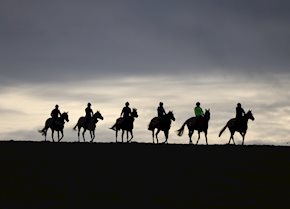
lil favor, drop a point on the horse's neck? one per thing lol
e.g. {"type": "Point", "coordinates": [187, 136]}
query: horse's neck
{"type": "Point", "coordinates": [167, 120]}
{"type": "Point", "coordinates": [245, 119]}
{"type": "Point", "coordinates": [61, 119]}
{"type": "Point", "coordinates": [132, 118]}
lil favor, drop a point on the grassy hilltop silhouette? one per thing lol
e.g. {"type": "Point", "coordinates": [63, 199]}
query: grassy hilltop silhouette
{"type": "Point", "coordinates": [137, 175]}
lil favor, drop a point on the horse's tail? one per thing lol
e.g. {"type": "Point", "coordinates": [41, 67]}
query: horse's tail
{"type": "Point", "coordinates": [114, 127]}
{"type": "Point", "coordinates": [150, 127]}
{"type": "Point", "coordinates": [42, 131]}
{"type": "Point", "coordinates": [181, 130]}
{"type": "Point", "coordinates": [224, 128]}
{"type": "Point", "coordinates": [153, 123]}
{"type": "Point", "coordinates": [75, 128]}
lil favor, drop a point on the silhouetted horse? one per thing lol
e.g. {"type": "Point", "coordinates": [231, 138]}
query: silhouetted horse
{"type": "Point", "coordinates": [239, 126]}
{"type": "Point", "coordinates": [161, 124]}
{"type": "Point", "coordinates": [126, 125]}
{"type": "Point", "coordinates": [201, 125]}
{"type": "Point", "coordinates": [90, 125]}
{"type": "Point", "coordinates": [57, 126]}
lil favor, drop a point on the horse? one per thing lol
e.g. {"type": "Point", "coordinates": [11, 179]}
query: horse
{"type": "Point", "coordinates": [126, 124]}
{"type": "Point", "coordinates": [57, 126]}
{"type": "Point", "coordinates": [90, 125]}
{"type": "Point", "coordinates": [161, 124]}
{"type": "Point", "coordinates": [239, 126]}
{"type": "Point", "coordinates": [199, 124]}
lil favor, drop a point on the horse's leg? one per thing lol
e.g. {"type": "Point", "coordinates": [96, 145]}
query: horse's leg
{"type": "Point", "coordinates": [166, 135]}
{"type": "Point", "coordinates": [84, 135]}
{"type": "Point", "coordinates": [45, 133]}
{"type": "Point", "coordinates": [61, 135]}
{"type": "Point", "coordinates": [205, 135]}
{"type": "Point", "coordinates": [198, 137]}
{"type": "Point", "coordinates": [58, 136]}
{"type": "Point", "coordinates": [93, 133]}
{"type": "Point", "coordinates": [52, 132]}
{"type": "Point", "coordinates": [243, 135]}
{"type": "Point", "coordinates": [153, 135]}
{"type": "Point", "coordinates": [190, 135]}
{"type": "Point", "coordinates": [156, 135]}
{"type": "Point", "coordinates": [127, 134]}
{"type": "Point", "coordinates": [123, 135]}
{"type": "Point", "coordinates": [131, 132]}
{"type": "Point", "coordinates": [116, 135]}
{"type": "Point", "coordinates": [232, 137]}
{"type": "Point", "coordinates": [79, 129]}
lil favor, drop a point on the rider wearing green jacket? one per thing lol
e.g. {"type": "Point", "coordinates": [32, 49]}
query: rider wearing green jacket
{"type": "Point", "coordinates": [198, 110]}
{"type": "Point", "coordinates": [198, 114]}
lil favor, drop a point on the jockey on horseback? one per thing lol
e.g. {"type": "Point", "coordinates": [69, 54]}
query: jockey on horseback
{"type": "Point", "coordinates": [54, 115]}
{"type": "Point", "coordinates": [198, 113]}
{"type": "Point", "coordinates": [126, 112]}
{"type": "Point", "coordinates": [160, 110]}
{"type": "Point", "coordinates": [240, 112]}
{"type": "Point", "coordinates": [89, 114]}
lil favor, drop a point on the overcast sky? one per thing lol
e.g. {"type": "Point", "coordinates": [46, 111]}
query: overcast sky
{"type": "Point", "coordinates": [71, 52]}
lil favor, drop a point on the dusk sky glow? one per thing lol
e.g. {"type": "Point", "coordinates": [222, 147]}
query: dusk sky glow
{"type": "Point", "coordinates": [108, 52]}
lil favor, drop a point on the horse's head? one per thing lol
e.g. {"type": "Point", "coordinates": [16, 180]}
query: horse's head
{"type": "Point", "coordinates": [98, 115]}
{"type": "Point", "coordinates": [64, 116]}
{"type": "Point", "coordinates": [170, 115]}
{"type": "Point", "coordinates": [249, 115]}
{"type": "Point", "coordinates": [134, 113]}
{"type": "Point", "coordinates": [207, 114]}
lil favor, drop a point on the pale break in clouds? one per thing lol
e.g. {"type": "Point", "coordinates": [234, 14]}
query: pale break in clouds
{"type": "Point", "coordinates": [179, 52]}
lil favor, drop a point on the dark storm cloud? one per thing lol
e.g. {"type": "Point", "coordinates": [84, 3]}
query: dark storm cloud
{"type": "Point", "coordinates": [54, 40]}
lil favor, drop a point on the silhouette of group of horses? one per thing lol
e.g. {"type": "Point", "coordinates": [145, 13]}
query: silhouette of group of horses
{"type": "Point", "coordinates": [157, 123]}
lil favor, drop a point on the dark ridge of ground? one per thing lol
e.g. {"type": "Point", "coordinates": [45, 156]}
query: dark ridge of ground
{"type": "Point", "coordinates": [108, 175]}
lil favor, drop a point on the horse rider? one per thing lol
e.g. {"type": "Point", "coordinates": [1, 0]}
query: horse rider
{"type": "Point", "coordinates": [160, 110]}
{"type": "Point", "coordinates": [198, 113]}
{"type": "Point", "coordinates": [89, 114]}
{"type": "Point", "coordinates": [240, 112]}
{"type": "Point", "coordinates": [126, 113]}
{"type": "Point", "coordinates": [54, 115]}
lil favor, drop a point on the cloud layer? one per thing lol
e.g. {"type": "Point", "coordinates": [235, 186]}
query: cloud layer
{"type": "Point", "coordinates": [269, 105]}
{"type": "Point", "coordinates": [74, 40]}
